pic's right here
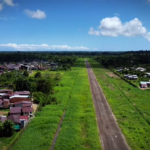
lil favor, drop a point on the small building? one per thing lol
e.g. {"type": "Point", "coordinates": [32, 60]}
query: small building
{"type": "Point", "coordinates": [15, 111]}
{"type": "Point", "coordinates": [6, 91]}
{"type": "Point", "coordinates": [21, 93]}
{"type": "Point", "coordinates": [27, 111]}
{"type": "Point", "coordinates": [3, 118]}
{"type": "Point", "coordinates": [53, 65]}
{"type": "Point", "coordinates": [141, 69]}
{"type": "Point", "coordinates": [19, 98]}
{"type": "Point", "coordinates": [6, 103]}
{"type": "Point", "coordinates": [16, 120]}
{"type": "Point", "coordinates": [144, 84]}
{"type": "Point", "coordinates": [148, 74]}
{"type": "Point", "coordinates": [22, 104]}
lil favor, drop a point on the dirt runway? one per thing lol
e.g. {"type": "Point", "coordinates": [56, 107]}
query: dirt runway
{"type": "Point", "coordinates": [109, 131]}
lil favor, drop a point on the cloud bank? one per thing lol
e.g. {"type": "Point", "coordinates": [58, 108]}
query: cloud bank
{"type": "Point", "coordinates": [113, 27]}
{"type": "Point", "coordinates": [42, 47]}
{"type": "Point", "coordinates": [9, 2]}
{"type": "Point", "coordinates": [38, 14]}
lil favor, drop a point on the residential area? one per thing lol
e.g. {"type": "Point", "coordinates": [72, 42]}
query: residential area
{"type": "Point", "coordinates": [19, 105]}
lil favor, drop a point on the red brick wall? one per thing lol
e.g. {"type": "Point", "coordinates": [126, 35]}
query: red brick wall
{"type": "Point", "coordinates": [18, 99]}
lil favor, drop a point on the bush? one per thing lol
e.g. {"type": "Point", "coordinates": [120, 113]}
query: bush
{"type": "Point", "coordinates": [38, 75]}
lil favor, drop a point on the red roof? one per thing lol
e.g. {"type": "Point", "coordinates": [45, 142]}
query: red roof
{"type": "Point", "coordinates": [27, 109]}
{"type": "Point", "coordinates": [27, 105]}
{"type": "Point", "coordinates": [23, 102]}
{"type": "Point", "coordinates": [22, 92]}
{"type": "Point", "coordinates": [15, 110]}
{"type": "Point", "coordinates": [24, 117]}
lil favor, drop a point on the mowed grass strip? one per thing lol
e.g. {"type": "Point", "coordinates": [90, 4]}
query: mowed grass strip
{"type": "Point", "coordinates": [79, 129]}
{"type": "Point", "coordinates": [130, 105]}
{"type": "Point", "coordinates": [40, 131]}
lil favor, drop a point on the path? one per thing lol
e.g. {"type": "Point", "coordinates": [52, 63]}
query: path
{"type": "Point", "coordinates": [109, 131]}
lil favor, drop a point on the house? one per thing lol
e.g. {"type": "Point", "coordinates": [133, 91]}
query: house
{"type": "Point", "coordinates": [21, 93]}
{"type": "Point", "coordinates": [24, 120]}
{"type": "Point", "coordinates": [15, 111]}
{"type": "Point", "coordinates": [24, 67]}
{"type": "Point", "coordinates": [131, 77]}
{"type": "Point", "coordinates": [8, 91]}
{"type": "Point", "coordinates": [144, 84]}
{"type": "Point", "coordinates": [141, 69]}
{"type": "Point", "coordinates": [148, 74]}
{"type": "Point", "coordinates": [19, 98]}
{"type": "Point", "coordinates": [27, 111]}
{"type": "Point", "coordinates": [6, 103]}
{"type": "Point", "coordinates": [22, 104]}
{"type": "Point", "coordinates": [3, 118]}
{"type": "Point", "coordinates": [16, 120]}
{"type": "Point", "coordinates": [53, 65]}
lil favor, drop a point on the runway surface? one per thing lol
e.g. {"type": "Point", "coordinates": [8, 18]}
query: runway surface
{"type": "Point", "coordinates": [110, 134]}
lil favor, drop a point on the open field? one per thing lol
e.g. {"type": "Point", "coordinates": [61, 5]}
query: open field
{"type": "Point", "coordinates": [47, 73]}
{"type": "Point", "coordinates": [79, 130]}
{"type": "Point", "coordinates": [130, 106]}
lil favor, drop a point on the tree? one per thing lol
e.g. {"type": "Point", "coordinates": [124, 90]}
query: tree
{"type": "Point", "coordinates": [8, 128]}
{"type": "Point", "coordinates": [22, 84]}
{"type": "Point", "coordinates": [38, 75]}
{"type": "Point", "coordinates": [45, 85]}
{"type": "Point", "coordinates": [26, 73]}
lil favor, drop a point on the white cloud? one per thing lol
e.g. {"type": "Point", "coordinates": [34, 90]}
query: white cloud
{"type": "Point", "coordinates": [94, 32]}
{"type": "Point", "coordinates": [113, 27]}
{"type": "Point", "coordinates": [41, 47]}
{"type": "Point", "coordinates": [148, 0]}
{"type": "Point", "coordinates": [3, 18]}
{"type": "Point", "coordinates": [38, 14]}
{"type": "Point", "coordinates": [1, 6]}
{"type": "Point", "coordinates": [9, 2]}
{"type": "Point", "coordinates": [147, 36]}
{"type": "Point", "coordinates": [116, 14]}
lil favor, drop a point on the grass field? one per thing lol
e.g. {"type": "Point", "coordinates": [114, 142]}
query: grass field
{"type": "Point", "coordinates": [79, 130]}
{"type": "Point", "coordinates": [47, 73]}
{"type": "Point", "coordinates": [130, 105]}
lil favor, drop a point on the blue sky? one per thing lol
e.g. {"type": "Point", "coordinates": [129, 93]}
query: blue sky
{"type": "Point", "coordinates": [104, 25]}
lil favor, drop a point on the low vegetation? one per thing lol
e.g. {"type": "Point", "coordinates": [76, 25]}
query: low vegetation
{"type": "Point", "coordinates": [129, 104]}
{"type": "Point", "coordinates": [79, 130]}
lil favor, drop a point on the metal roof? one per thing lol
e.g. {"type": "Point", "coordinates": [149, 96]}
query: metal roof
{"type": "Point", "coordinates": [15, 110]}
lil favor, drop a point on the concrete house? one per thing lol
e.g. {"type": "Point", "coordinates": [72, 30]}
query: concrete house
{"type": "Point", "coordinates": [15, 111]}
{"type": "Point", "coordinates": [27, 111]}
{"type": "Point", "coordinates": [19, 98]}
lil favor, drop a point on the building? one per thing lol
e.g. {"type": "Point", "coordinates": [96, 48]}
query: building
{"type": "Point", "coordinates": [27, 111]}
{"type": "Point", "coordinates": [16, 120]}
{"type": "Point", "coordinates": [19, 98]}
{"type": "Point", "coordinates": [6, 103]}
{"type": "Point", "coordinates": [15, 111]}
{"type": "Point", "coordinates": [141, 69]}
{"type": "Point", "coordinates": [131, 77]}
{"type": "Point", "coordinates": [6, 91]}
{"type": "Point", "coordinates": [3, 118]}
{"type": "Point", "coordinates": [144, 84]}
{"type": "Point", "coordinates": [22, 104]}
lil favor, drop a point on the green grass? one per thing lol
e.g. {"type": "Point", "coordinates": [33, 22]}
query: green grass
{"type": "Point", "coordinates": [79, 129]}
{"type": "Point", "coordinates": [130, 105]}
{"type": "Point", "coordinates": [47, 72]}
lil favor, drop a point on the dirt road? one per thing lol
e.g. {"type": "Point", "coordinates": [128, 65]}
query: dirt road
{"type": "Point", "coordinates": [109, 131]}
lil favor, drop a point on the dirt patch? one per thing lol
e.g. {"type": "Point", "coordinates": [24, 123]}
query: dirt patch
{"type": "Point", "coordinates": [34, 107]}
{"type": "Point", "coordinates": [3, 113]}
{"type": "Point", "coordinates": [111, 74]}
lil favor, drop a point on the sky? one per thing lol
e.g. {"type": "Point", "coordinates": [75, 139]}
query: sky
{"type": "Point", "coordinates": [74, 25]}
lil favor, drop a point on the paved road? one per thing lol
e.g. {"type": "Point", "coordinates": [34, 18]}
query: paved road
{"type": "Point", "coordinates": [109, 131]}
